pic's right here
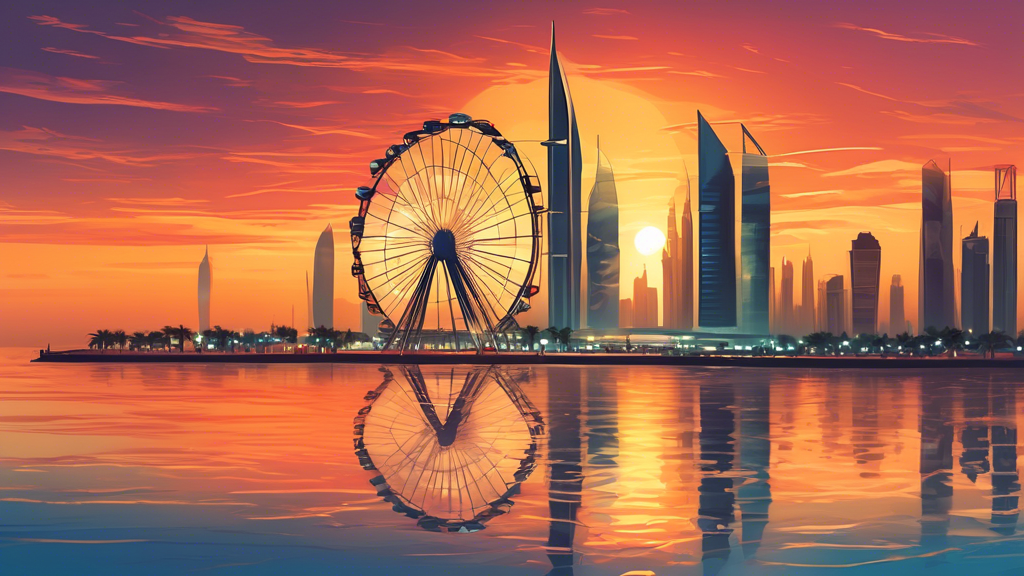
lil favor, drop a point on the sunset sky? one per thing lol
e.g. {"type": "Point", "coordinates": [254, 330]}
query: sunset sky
{"type": "Point", "coordinates": [134, 134]}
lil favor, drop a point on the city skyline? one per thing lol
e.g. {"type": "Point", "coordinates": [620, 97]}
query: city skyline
{"type": "Point", "coordinates": [283, 161]}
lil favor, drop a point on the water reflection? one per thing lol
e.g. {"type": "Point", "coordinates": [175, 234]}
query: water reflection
{"type": "Point", "coordinates": [565, 480]}
{"type": "Point", "coordinates": [936, 462]}
{"type": "Point", "coordinates": [1005, 481]}
{"type": "Point", "coordinates": [452, 445]}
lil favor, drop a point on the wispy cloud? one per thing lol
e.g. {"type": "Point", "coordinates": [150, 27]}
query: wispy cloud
{"type": "Point", "coordinates": [232, 81]}
{"type": "Point", "coordinates": [822, 150]}
{"type": "Point", "coordinates": [879, 167]}
{"type": "Point", "coordinates": [928, 38]}
{"type": "Point", "coordinates": [605, 11]}
{"type": "Point", "coordinates": [43, 142]}
{"type": "Point", "coordinates": [79, 91]}
{"type": "Point", "coordinates": [158, 201]}
{"type": "Point", "coordinates": [610, 37]}
{"type": "Point", "coordinates": [323, 130]}
{"type": "Point", "coordinates": [301, 105]}
{"type": "Point", "coordinates": [700, 73]}
{"type": "Point", "coordinates": [67, 52]}
{"type": "Point", "coordinates": [865, 91]}
{"type": "Point", "coordinates": [815, 193]}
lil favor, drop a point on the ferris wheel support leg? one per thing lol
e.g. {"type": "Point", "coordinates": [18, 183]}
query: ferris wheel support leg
{"type": "Point", "coordinates": [411, 324]}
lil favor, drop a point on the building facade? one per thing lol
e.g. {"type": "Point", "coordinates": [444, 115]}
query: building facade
{"type": "Point", "coordinates": [755, 237]}
{"type": "Point", "coordinates": [807, 308]}
{"type": "Point", "coordinates": [897, 317]}
{"type": "Point", "coordinates": [835, 307]}
{"type": "Point", "coordinates": [1004, 252]}
{"type": "Point", "coordinates": [786, 309]}
{"type": "Point", "coordinates": [974, 293]}
{"type": "Point", "coordinates": [565, 162]}
{"type": "Point", "coordinates": [323, 280]}
{"type": "Point", "coordinates": [865, 275]}
{"type": "Point", "coordinates": [603, 248]}
{"type": "Point", "coordinates": [672, 273]}
{"type": "Point", "coordinates": [626, 313]}
{"type": "Point", "coordinates": [686, 262]}
{"type": "Point", "coordinates": [717, 202]}
{"type": "Point", "coordinates": [205, 282]}
{"type": "Point", "coordinates": [936, 300]}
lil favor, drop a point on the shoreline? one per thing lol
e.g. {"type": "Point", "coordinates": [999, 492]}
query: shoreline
{"type": "Point", "coordinates": [564, 359]}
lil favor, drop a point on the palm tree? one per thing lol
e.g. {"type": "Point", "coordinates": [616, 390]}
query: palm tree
{"type": "Point", "coordinates": [181, 333]}
{"type": "Point", "coordinates": [993, 341]}
{"type": "Point", "coordinates": [157, 338]}
{"type": "Point", "coordinates": [904, 340]}
{"type": "Point", "coordinates": [138, 341]}
{"type": "Point", "coordinates": [530, 335]}
{"type": "Point", "coordinates": [553, 335]}
{"type": "Point", "coordinates": [346, 340]}
{"type": "Point", "coordinates": [564, 335]}
{"type": "Point", "coordinates": [101, 339]}
{"type": "Point", "coordinates": [820, 341]}
{"type": "Point", "coordinates": [952, 339]}
{"type": "Point", "coordinates": [287, 333]}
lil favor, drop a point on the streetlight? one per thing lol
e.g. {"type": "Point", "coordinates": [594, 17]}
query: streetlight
{"type": "Point", "coordinates": [543, 344]}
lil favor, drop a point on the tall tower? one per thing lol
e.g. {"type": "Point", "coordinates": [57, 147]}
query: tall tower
{"type": "Point", "coordinates": [865, 270]}
{"type": "Point", "coordinates": [323, 280]}
{"type": "Point", "coordinates": [835, 305]}
{"type": "Point", "coordinates": [565, 162]}
{"type": "Point", "coordinates": [807, 309]}
{"type": "Point", "coordinates": [974, 283]}
{"type": "Point", "coordinates": [773, 313]}
{"type": "Point", "coordinates": [686, 262]}
{"type": "Point", "coordinates": [671, 273]}
{"type": "Point", "coordinates": [204, 292]}
{"type": "Point", "coordinates": [309, 304]}
{"type": "Point", "coordinates": [755, 239]}
{"type": "Point", "coordinates": [1004, 252]}
{"type": "Point", "coordinates": [640, 304]}
{"type": "Point", "coordinates": [717, 201]}
{"type": "Point", "coordinates": [786, 313]}
{"type": "Point", "coordinates": [603, 248]}
{"type": "Point", "coordinates": [897, 318]}
{"type": "Point", "coordinates": [936, 303]}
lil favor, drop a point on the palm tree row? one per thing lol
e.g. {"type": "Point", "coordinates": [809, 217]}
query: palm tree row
{"type": "Point", "coordinates": [933, 341]}
{"type": "Point", "coordinates": [163, 339]}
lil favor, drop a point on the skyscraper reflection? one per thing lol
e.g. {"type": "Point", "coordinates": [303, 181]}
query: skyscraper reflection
{"type": "Point", "coordinates": [974, 436]}
{"type": "Point", "coordinates": [565, 482]}
{"type": "Point", "coordinates": [936, 463]}
{"type": "Point", "coordinates": [715, 512]}
{"type": "Point", "coordinates": [1005, 480]}
{"type": "Point", "coordinates": [755, 495]}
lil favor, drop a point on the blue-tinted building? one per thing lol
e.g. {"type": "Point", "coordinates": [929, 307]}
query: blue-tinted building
{"type": "Point", "coordinates": [565, 253]}
{"type": "Point", "coordinates": [974, 269]}
{"type": "Point", "coordinates": [717, 300]}
{"type": "Point", "coordinates": [755, 238]}
{"type": "Point", "coordinates": [936, 302]}
{"type": "Point", "coordinates": [603, 248]}
{"type": "Point", "coordinates": [1004, 251]}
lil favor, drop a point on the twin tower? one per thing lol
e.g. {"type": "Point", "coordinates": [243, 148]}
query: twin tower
{"type": "Point", "coordinates": [733, 285]}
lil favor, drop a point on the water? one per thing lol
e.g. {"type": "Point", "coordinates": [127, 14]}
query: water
{"type": "Point", "coordinates": [164, 469]}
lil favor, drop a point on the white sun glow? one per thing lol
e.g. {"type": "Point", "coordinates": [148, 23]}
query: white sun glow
{"type": "Point", "coordinates": [649, 240]}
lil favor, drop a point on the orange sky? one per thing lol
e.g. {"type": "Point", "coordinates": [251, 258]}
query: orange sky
{"type": "Point", "coordinates": [131, 138]}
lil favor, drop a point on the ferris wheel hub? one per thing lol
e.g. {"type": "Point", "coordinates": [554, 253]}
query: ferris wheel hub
{"type": "Point", "coordinates": [443, 245]}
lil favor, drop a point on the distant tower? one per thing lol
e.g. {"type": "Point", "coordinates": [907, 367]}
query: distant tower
{"type": "Point", "coordinates": [672, 274]}
{"type": "Point", "coordinates": [686, 261]}
{"type": "Point", "coordinates": [897, 318]}
{"type": "Point", "coordinates": [640, 305]}
{"type": "Point", "coordinates": [755, 240]}
{"type": "Point", "coordinates": [936, 303]}
{"type": "Point", "coordinates": [717, 201]}
{"type": "Point", "coordinates": [603, 248]}
{"type": "Point", "coordinates": [835, 306]}
{"type": "Point", "coordinates": [786, 313]}
{"type": "Point", "coordinates": [807, 309]}
{"type": "Point", "coordinates": [1004, 252]}
{"type": "Point", "coordinates": [204, 292]}
{"type": "Point", "coordinates": [974, 283]}
{"type": "Point", "coordinates": [323, 280]}
{"type": "Point", "coordinates": [865, 270]}
{"type": "Point", "coordinates": [626, 313]}
{"type": "Point", "coordinates": [773, 312]}
{"type": "Point", "coordinates": [565, 162]}
{"type": "Point", "coordinates": [367, 322]}
{"type": "Point", "coordinates": [309, 304]}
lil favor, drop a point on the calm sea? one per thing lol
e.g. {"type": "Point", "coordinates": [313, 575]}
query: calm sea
{"type": "Point", "coordinates": [291, 469]}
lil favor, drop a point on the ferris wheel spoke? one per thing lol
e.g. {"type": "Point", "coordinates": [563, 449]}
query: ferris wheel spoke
{"type": "Point", "coordinates": [490, 303]}
{"type": "Point", "coordinates": [418, 234]}
{"type": "Point", "coordinates": [502, 186]}
{"type": "Point", "coordinates": [474, 158]}
{"type": "Point", "coordinates": [483, 214]}
{"type": "Point", "coordinates": [415, 189]}
{"type": "Point", "coordinates": [497, 276]}
{"type": "Point", "coordinates": [418, 222]}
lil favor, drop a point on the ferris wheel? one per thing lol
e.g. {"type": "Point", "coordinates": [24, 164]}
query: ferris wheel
{"type": "Point", "coordinates": [447, 239]}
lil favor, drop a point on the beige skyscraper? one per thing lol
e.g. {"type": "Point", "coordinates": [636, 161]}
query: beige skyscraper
{"type": "Point", "coordinates": [205, 279]}
{"type": "Point", "coordinates": [323, 280]}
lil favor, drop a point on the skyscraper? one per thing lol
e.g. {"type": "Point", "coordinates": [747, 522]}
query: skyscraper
{"type": "Point", "coordinates": [807, 308]}
{"type": "Point", "coordinates": [936, 303]}
{"type": "Point", "coordinates": [323, 280]}
{"type": "Point", "coordinates": [1004, 252]}
{"type": "Point", "coordinates": [367, 322]}
{"type": "Point", "coordinates": [865, 270]}
{"type": "Point", "coordinates": [603, 248]}
{"type": "Point", "coordinates": [640, 319]}
{"type": "Point", "coordinates": [565, 162]}
{"type": "Point", "coordinates": [717, 304]}
{"type": "Point", "coordinates": [773, 313]}
{"type": "Point", "coordinates": [897, 319]}
{"type": "Point", "coordinates": [309, 304]}
{"type": "Point", "coordinates": [822, 306]}
{"type": "Point", "coordinates": [755, 237]}
{"type": "Point", "coordinates": [974, 283]}
{"type": "Point", "coordinates": [626, 313]}
{"type": "Point", "coordinates": [204, 292]}
{"type": "Point", "coordinates": [672, 274]}
{"type": "Point", "coordinates": [686, 261]}
{"type": "Point", "coordinates": [786, 311]}
{"type": "Point", "coordinates": [835, 305]}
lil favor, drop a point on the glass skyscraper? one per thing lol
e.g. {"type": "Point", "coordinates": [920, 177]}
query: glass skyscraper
{"type": "Point", "coordinates": [755, 238]}
{"type": "Point", "coordinates": [603, 248]}
{"type": "Point", "coordinates": [835, 307]}
{"type": "Point", "coordinates": [865, 271]}
{"type": "Point", "coordinates": [717, 299]}
{"type": "Point", "coordinates": [565, 162]}
{"type": "Point", "coordinates": [936, 302]}
{"type": "Point", "coordinates": [1004, 252]}
{"type": "Point", "coordinates": [974, 283]}
{"type": "Point", "coordinates": [897, 319]}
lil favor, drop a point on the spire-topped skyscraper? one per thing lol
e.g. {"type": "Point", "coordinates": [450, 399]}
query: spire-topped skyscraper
{"type": "Point", "coordinates": [603, 248]}
{"type": "Point", "coordinates": [807, 308]}
{"type": "Point", "coordinates": [565, 162]}
{"type": "Point", "coordinates": [1004, 251]}
{"type": "Point", "coordinates": [936, 303]}
{"type": "Point", "coordinates": [717, 201]}
{"type": "Point", "coordinates": [205, 280]}
{"type": "Point", "coordinates": [672, 274]}
{"type": "Point", "coordinates": [755, 237]}
{"type": "Point", "coordinates": [686, 261]}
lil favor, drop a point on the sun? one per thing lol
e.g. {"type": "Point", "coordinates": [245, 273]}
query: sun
{"type": "Point", "coordinates": [649, 241]}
